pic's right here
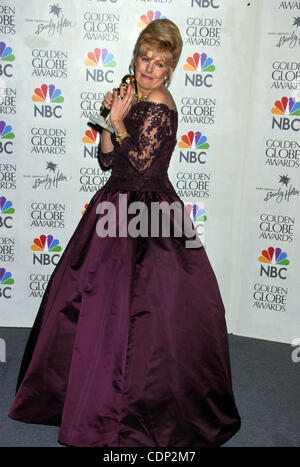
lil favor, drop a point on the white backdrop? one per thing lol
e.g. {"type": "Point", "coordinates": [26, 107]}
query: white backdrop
{"type": "Point", "coordinates": [237, 158]}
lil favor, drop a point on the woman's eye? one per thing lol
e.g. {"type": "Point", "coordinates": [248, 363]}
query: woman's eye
{"type": "Point", "coordinates": [145, 59]}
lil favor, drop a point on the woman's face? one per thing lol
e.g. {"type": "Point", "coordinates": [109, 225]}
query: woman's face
{"type": "Point", "coordinates": [150, 72]}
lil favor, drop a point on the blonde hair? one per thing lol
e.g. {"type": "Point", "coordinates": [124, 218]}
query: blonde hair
{"type": "Point", "coordinates": [160, 36]}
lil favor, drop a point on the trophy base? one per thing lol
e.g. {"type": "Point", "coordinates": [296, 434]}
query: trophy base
{"type": "Point", "coordinates": [102, 122]}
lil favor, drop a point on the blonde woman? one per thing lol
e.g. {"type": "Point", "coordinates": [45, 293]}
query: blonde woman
{"type": "Point", "coordinates": [129, 347]}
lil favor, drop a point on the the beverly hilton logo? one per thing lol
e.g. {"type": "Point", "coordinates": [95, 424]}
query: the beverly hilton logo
{"type": "Point", "coordinates": [284, 193]}
{"type": "Point", "coordinates": [42, 246]}
{"type": "Point", "coordinates": [201, 67]}
{"type": "Point", "coordinates": [48, 95]}
{"type": "Point", "coordinates": [283, 35]}
{"type": "Point", "coordinates": [193, 140]}
{"type": "Point", "coordinates": [6, 280]}
{"type": "Point", "coordinates": [286, 108]}
{"type": "Point", "coordinates": [274, 259]}
{"type": "Point", "coordinates": [49, 181]}
{"type": "Point", "coordinates": [53, 27]}
{"type": "Point", "coordinates": [146, 18]}
{"type": "Point", "coordinates": [90, 143]}
{"type": "Point", "coordinates": [100, 58]}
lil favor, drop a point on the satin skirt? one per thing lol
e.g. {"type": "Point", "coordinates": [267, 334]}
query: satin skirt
{"type": "Point", "coordinates": [129, 347]}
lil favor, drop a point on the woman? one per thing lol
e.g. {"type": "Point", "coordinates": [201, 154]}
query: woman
{"type": "Point", "coordinates": [129, 347]}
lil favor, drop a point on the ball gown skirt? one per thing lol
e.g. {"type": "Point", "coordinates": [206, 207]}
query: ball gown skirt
{"type": "Point", "coordinates": [129, 347]}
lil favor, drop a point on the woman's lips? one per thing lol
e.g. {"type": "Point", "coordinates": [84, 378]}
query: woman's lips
{"type": "Point", "coordinates": [147, 77]}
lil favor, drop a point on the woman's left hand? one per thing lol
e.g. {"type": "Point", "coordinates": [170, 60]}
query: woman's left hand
{"type": "Point", "coordinates": [121, 106]}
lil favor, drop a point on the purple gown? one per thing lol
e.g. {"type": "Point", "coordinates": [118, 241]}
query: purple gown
{"type": "Point", "coordinates": [129, 347]}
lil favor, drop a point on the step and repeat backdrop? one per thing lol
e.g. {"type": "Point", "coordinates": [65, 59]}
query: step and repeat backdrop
{"type": "Point", "coordinates": [235, 165]}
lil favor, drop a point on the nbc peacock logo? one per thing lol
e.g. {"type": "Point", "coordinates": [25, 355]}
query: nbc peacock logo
{"type": "Point", "coordinates": [288, 109]}
{"type": "Point", "coordinates": [198, 216]}
{"type": "Point", "coordinates": [205, 62]}
{"type": "Point", "coordinates": [196, 213]}
{"type": "Point", "coordinates": [273, 262]}
{"type": "Point", "coordinates": [196, 141]}
{"type": "Point", "coordinates": [201, 67]}
{"type": "Point", "coordinates": [42, 246]}
{"type": "Point", "coordinates": [5, 131]}
{"type": "Point", "coordinates": [6, 211]}
{"type": "Point", "coordinates": [90, 140]}
{"type": "Point", "coordinates": [146, 18]}
{"type": "Point", "coordinates": [6, 280]}
{"type": "Point", "coordinates": [6, 53]}
{"type": "Point", "coordinates": [6, 59]}
{"type": "Point", "coordinates": [84, 209]}
{"type": "Point", "coordinates": [100, 58]}
{"type": "Point", "coordinates": [47, 95]}
{"type": "Point", "coordinates": [6, 135]}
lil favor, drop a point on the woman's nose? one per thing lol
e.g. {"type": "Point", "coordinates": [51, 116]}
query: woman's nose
{"type": "Point", "coordinates": [149, 67]}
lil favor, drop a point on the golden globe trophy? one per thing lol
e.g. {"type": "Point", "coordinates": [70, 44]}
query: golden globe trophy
{"type": "Point", "coordinates": [103, 120]}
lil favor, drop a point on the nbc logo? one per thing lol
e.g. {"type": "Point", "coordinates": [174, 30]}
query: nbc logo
{"type": "Point", "coordinates": [5, 281]}
{"type": "Point", "coordinates": [286, 107]}
{"type": "Point", "coordinates": [148, 17]}
{"type": "Point", "coordinates": [6, 208]}
{"type": "Point", "coordinates": [84, 209]}
{"type": "Point", "coordinates": [205, 3]}
{"type": "Point", "coordinates": [43, 245]}
{"type": "Point", "coordinates": [48, 95]}
{"type": "Point", "coordinates": [196, 141]}
{"type": "Point", "coordinates": [203, 64]}
{"type": "Point", "coordinates": [6, 56]}
{"type": "Point", "coordinates": [198, 216]}
{"type": "Point", "coordinates": [91, 147]}
{"type": "Point", "coordinates": [196, 213]}
{"type": "Point", "coordinates": [6, 134]}
{"type": "Point", "coordinates": [97, 58]}
{"type": "Point", "coordinates": [273, 260]}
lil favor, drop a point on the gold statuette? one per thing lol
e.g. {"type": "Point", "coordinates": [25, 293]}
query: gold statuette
{"type": "Point", "coordinates": [103, 120]}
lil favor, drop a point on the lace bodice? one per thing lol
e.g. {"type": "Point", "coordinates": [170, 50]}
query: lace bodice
{"type": "Point", "coordinates": [147, 151]}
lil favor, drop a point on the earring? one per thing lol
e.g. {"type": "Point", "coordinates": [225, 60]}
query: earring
{"type": "Point", "coordinates": [166, 78]}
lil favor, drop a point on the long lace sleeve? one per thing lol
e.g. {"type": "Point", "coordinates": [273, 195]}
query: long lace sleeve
{"type": "Point", "coordinates": [106, 159]}
{"type": "Point", "coordinates": [142, 149]}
